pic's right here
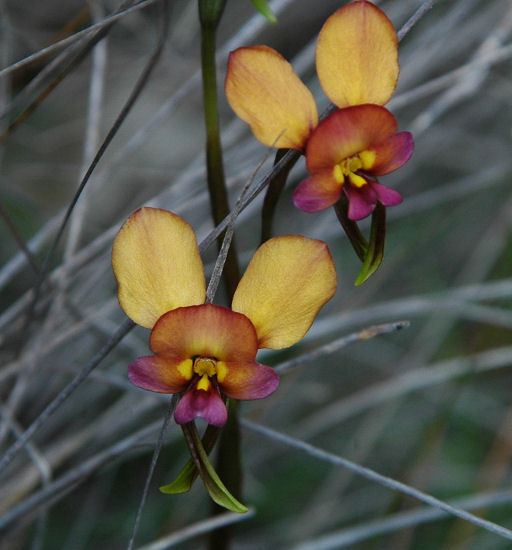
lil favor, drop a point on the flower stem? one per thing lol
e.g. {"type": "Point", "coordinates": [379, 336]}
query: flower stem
{"type": "Point", "coordinates": [210, 12]}
{"type": "Point", "coordinates": [274, 191]}
{"type": "Point", "coordinates": [228, 463]}
{"type": "Point", "coordinates": [357, 239]}
{"type": "Point", "coordinates": [229, 469]}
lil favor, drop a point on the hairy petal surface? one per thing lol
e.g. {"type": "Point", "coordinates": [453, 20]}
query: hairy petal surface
{"type": "Point", "coordinates": [206, 330]}
{"type": "Point", "coordinates": [357, 55]}
{"type": "Point", "coordinates": [201, 404]}
{"type": "Point", "coordinates": [392, 153]}
{"type": "Point", "coordinates": [264, 91]}
{"type": "Point", "coordinates": [347, 132]}
{"type": "Point", "coordinates": [247, 380]}
{"type": "Point", "coordinates": [160, 374]}
{"type": "Point", "coordinates": [157, 265]}
{"type": "Point", "coordinates": [317, 192]}
{"type": "Point", "coordinates": [286, 283]}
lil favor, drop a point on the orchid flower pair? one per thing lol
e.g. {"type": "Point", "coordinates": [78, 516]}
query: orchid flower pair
{"type": "Point", "coordinates": [357, 66]}
{"type": "Point", "coordinates": [203, 351]}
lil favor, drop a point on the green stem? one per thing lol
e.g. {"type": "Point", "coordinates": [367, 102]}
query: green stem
{"type": "Point", "coordinates": [210, 13]}
{"type": "Point", "coordinates": [357, 239]}
{"type": "Point", "coordinates": [274, 191]}
{"type": "Point", "coordinates": [228, 464]}
{"type": "Point", "coordinates": [229, 469]}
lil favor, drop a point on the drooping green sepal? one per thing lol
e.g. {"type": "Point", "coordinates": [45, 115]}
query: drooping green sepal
{"type": "Point", "coordinates": [263, 7]}
{"type": "Point", "coordinates": [188, 474]}
{"type": "Point", "coordinates": [183, 483]}
{"type": "Point", "coordinates": [217, 490]}
{"type": "Point", "coordinates": [356, 238]}
{"type": "Point", "coordinates": [375, 253]}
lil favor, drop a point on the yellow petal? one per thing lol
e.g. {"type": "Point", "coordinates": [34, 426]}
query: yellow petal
{"type": "Point", "coordinates": [157, 265]}
{"type": "Point", "coordinates": [265, 92]}
{"type": "Point", "coordinates": [357, 55]}
{"type": "Point", "coordinates": [286, 283]}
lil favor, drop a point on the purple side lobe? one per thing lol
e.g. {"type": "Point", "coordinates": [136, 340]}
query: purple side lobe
{"type": "Point", "coordinates": [385, 195]}
{"type": "Point", "coordinates": [316, 193]}
{"type": "Point", "coordinates": [149, 373]}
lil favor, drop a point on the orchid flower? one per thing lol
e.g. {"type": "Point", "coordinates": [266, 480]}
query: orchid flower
{"type": "Point", "coordinates": [346, 153]}
{"type": "Point", "coordinates": [357, 65]}
{"type": "Point", "coordinates": [207, 352]}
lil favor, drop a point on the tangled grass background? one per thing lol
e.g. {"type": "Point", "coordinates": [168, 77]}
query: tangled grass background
{"type": "Point", "coordinates": [429, 406]}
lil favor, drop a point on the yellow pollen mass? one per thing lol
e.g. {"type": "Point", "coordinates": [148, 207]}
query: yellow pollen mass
{"type": "Point", "coordinates": [354, 164]}
{"type": "Point", "coordinates": [348, 168]}
{"type": "Point", "coordinates": [204, 366]}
